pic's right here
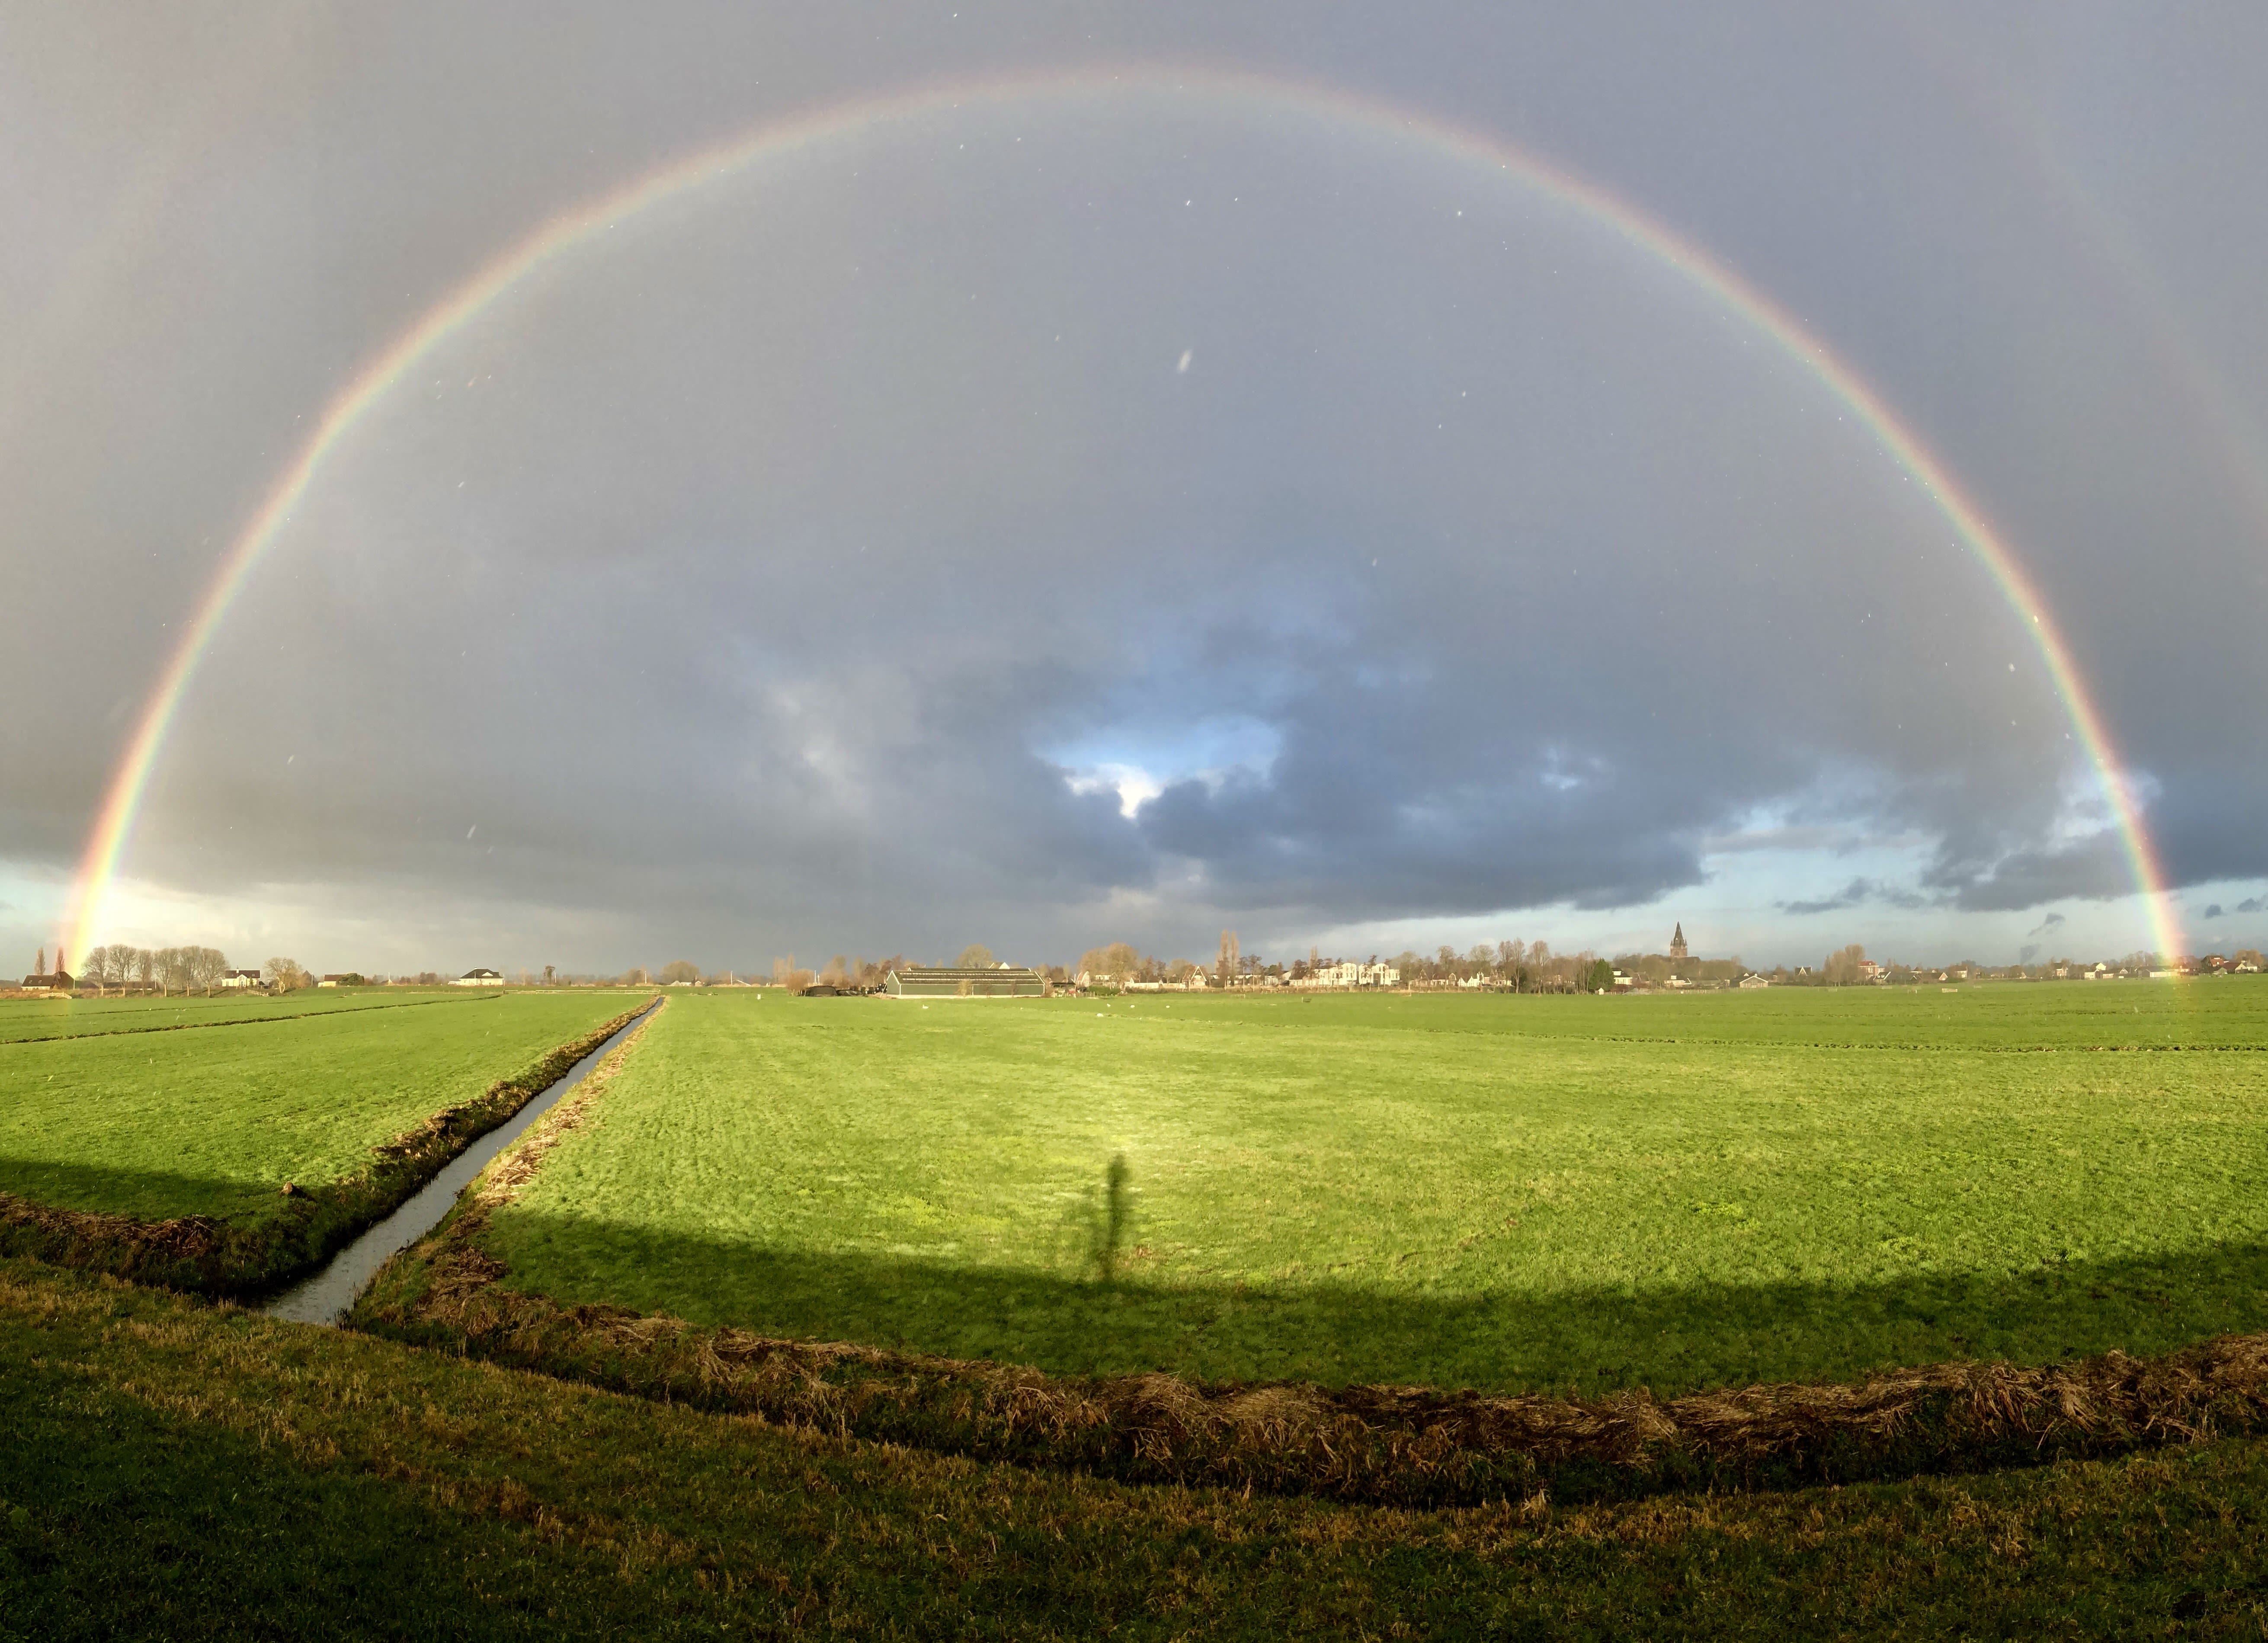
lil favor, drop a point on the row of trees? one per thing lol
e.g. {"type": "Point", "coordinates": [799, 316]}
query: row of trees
{"type": "Point", "coordinates": [169, 970]}
{"type": "Point", "coordinates": [1519, 966]}
{"type": "Point", "coordinates": [180, 970]}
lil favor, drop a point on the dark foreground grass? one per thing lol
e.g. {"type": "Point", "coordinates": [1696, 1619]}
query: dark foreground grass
{"type": "Point", "coordinates": [173, 1469]}
{"type": "Point", "coordinates": [1448, 1191]}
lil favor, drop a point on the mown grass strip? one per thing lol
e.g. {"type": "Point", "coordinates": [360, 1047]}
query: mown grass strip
{"type": "Point", "coordinates": [226, 1256]}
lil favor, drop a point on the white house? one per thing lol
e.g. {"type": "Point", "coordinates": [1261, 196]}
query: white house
{"type": "Point", "coordinates": [1354, 974]}
{"type": "Point", "coordinates": [478, 978]}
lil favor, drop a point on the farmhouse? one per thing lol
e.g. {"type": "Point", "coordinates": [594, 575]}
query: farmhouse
{"type": "Point", "coordinates": [1351, 974]}
{"type": "Point", "coordinates": [239, 978]}
{"type": "Point", "coordinates": [57, 980]}
{"type": "Point", "coordinates": [926, 981]}
{"type": "Point", "coordinates": [478, 978]}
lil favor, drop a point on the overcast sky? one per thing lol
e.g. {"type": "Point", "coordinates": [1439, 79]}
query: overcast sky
{"type": "Point", "coordinates": [1089, 510]}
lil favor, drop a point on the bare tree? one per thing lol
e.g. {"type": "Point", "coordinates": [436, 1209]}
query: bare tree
{"type": "Point", "coordinates": [1114, 962]}
{"type": "Point", "coordinates": [1842, 967]}
{"type": "Point", "coordinates": [679, 973]}
{"type": "Point", "coordinates": [976, 956]}
{"type": "Point", "coordinates": [1226, 964]}
{"type": "Point", "coordinates": [285, 975]}
{"type": "Point", "coordinates": [203, 968]}
{"type": "Point", "coordinates": [115, 965]}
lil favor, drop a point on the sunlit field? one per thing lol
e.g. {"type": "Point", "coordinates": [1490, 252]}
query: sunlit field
{"type": "Point", "coordinates": [1490, 1191]}
{"type": "Point", "coordinates": [213, 1120]}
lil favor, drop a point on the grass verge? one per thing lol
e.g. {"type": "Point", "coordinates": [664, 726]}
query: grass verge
{"type": "Point", "coordinates": [239, 1257]}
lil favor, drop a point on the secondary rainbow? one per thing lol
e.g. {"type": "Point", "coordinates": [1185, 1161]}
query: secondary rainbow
{"type": "Point", "coordinates": [122, 804]}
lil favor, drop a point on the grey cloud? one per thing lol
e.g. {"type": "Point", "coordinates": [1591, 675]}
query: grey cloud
{"type": "Point", "coordinates": [1853, 894]}
{"type": "Point", "coordinates": [1850, 895]}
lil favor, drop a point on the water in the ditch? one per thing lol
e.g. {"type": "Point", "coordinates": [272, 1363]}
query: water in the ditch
{"type": "Point", "coordinates": [325, 1296]}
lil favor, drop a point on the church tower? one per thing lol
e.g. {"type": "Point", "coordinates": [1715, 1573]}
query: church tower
{"type": "Point", "coordinates": [1677, 944]}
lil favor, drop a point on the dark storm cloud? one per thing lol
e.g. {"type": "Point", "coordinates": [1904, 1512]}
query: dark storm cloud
{"type": "Point", "coordinates": [826, 553]}
{"type": "Point", "coordinates": [1856, 894]}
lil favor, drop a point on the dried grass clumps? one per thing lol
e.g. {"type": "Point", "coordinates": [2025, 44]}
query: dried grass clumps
{"type": "Point", "coordinates": [1409, 1445]}
{"type": "Point", "coordinates": [114, 1243]}
{"type": "Point", "coordinates": [244, 1258]}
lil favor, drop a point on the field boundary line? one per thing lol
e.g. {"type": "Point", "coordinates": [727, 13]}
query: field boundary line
{"type": "Point", "coordinates": [1411, 1445]}
{"type": "Point", "coordinates": [246, 1021]}
{"type": "Point", "coordinates": [213, 1255]}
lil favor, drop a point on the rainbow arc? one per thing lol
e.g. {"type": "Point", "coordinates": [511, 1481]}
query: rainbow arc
{"type": "Point", "coordinates": [122, 800]}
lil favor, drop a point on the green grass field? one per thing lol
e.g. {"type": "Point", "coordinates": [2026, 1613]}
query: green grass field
{"type": "Point", "coordinates": [22, 1019]}
{"type": "Point", "coordinates": [1498, 1192]}
{"type": "Point", "coordinates": [214, 1121]}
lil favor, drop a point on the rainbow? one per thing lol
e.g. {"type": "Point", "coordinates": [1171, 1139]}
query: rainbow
{"type": "Point", "coordinates": [122, 800]}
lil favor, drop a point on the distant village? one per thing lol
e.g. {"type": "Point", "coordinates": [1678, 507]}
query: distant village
{"type": "Point", "coordinates": [1120, 967]}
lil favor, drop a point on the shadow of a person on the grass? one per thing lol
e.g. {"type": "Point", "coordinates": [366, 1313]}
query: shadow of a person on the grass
{"type": "Point", "coordinates": [1136, 1318]}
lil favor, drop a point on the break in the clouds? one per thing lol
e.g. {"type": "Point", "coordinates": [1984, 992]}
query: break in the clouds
{"type": "Point", "coordinates": [1048, 518]}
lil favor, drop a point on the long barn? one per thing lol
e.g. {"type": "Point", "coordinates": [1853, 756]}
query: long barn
{"type": "Point", "coordinates": [1005, 981]}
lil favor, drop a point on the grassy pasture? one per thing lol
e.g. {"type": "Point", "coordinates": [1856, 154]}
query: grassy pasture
{"type": "Point", "coordinates": [1505, 1193]}
{"type": "Point", "coordinates": [24, 1020]}
{"type": "Point", "coordinates": [214, 1122]}
{"type": "Point", "coordinates": [2223, 1012]}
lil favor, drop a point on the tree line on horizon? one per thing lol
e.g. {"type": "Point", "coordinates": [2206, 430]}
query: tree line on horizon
{"type": "Point", "coordinates": [169, 970]}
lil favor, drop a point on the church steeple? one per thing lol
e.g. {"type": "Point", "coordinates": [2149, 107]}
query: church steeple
{"type": "Point", "coordinates": [1677, 943]}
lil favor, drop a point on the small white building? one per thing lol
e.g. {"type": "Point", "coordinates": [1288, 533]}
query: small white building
{"type": "Point", "coordinates": [239, 978]}
{"type": "Point", "coordinates": [478, 978]}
